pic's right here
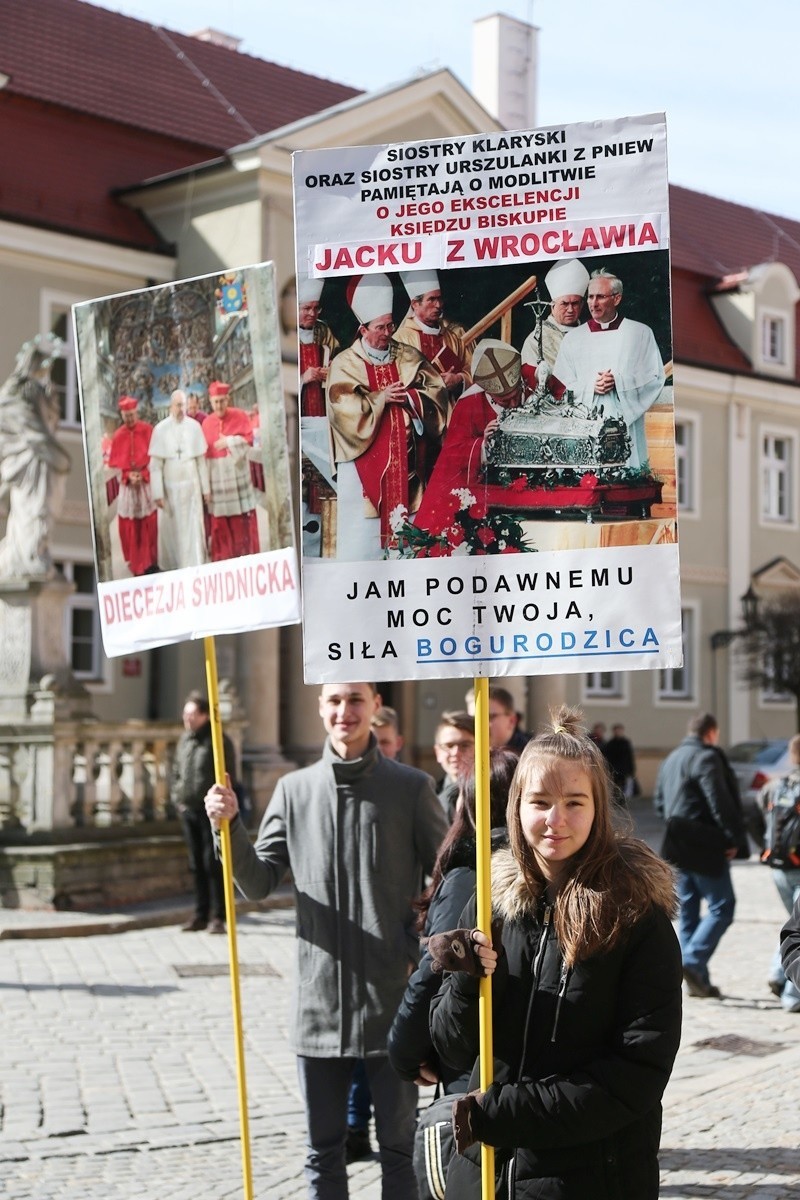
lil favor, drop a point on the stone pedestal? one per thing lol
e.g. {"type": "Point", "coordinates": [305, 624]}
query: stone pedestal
{"type": "Point", "coordinates": [33, 661]}
{"type": "Point", "coordinates": [37, 689]}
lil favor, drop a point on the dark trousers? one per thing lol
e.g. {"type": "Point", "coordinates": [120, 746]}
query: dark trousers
{"type": "Point", "coordinates": [209, 893]}
{"type": "Point", "coordinates": [324, 1084]}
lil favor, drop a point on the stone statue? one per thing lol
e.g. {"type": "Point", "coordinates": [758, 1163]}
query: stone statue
{"type": "Point", "coordinates": [33, 466]}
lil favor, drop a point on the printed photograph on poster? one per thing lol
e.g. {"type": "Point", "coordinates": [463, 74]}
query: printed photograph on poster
{"type": "Point", "coordinates": [540, 453]}
{"type": "Point", "coordinates": [185, 441]}
{"type": "Point", "coordinates": [491, 393]}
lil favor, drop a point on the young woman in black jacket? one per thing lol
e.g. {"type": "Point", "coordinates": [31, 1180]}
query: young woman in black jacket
{"type": "Point", "coordinates": [586, 993]}
{"type": "Point", "coordinates": [411, 1051]}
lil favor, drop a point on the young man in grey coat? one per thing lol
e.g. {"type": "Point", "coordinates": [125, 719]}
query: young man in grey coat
{"type": "Point", "coordinates": [358, 831]}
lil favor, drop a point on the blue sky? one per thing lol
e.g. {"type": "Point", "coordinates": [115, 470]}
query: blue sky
{"type": "Point", "coordinates": [724, 71]}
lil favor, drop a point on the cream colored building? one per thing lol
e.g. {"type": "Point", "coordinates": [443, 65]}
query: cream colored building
{"type": "Point", "coordinates": [736, 384]}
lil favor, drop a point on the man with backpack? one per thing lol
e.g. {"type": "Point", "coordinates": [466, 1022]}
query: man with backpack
{"type": "Point", "coordinates": [779, 800]}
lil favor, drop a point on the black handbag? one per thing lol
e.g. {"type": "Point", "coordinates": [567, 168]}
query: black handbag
{"type": "Point", "coordinates": [695, 846]}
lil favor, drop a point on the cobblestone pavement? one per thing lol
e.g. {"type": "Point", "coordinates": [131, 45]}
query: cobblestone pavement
{"type": "Point", "coordinates": [118, 1080]}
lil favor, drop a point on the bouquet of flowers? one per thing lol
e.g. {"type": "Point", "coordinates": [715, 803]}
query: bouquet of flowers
{"type": "Point", "coordinates": [472, 529]}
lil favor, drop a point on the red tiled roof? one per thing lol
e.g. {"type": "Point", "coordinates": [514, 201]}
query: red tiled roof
{"type": "Point", "coordinates": [65, 165]}
{"type": "Point", "coordinates": [717, 237]}
{"type": "Point", "coordinates": [78, 56]}
{"type": "Point", "coordinates": [713, 239]}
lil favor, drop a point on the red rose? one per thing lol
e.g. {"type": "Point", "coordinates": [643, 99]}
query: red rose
{"type": "Point", "coordinates": [485, 536]}
{"type": "Point", "coordinates": [477, 512]}
{"type": "Point", "coordinates": [589, 479]}
{"type": "Point", "coordinates": [456, 535]}
{"type": "Point", "coordinates": [520, 484]}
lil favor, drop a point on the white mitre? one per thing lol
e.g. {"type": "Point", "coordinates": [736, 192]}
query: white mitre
{"type": "Point", "coordinates": [373, 297]}
{"type": "Point", "coordinates": [309, 290]}
{"type": "Point", "coordinates": [567, 278]}
{"type": "Point", "coordinates": [419, 283]}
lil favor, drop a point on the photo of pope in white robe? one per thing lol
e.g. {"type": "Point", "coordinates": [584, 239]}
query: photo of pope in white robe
{"type": "Point", "coordinates": [179, 484]}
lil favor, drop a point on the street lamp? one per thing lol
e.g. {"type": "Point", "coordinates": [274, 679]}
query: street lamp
{"type": "Point", "coordinates": [724, 637]}
{"type": "Point", "coordinates": [749, 603]}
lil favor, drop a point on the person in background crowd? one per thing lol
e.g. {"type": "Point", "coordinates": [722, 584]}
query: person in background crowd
{"type": "Point", "coordinates": [598, 734]}
{"type": "Point", "coordinates": [192, 775]}
{"type": "Point", "coordinates": [790, 946]}
{"type": "Point", "coordinates": [136, 514]}
{"type": "Point", "coordinates": [454, 748]}
{"type": "Point", "coordinates": [618, 751]}
{"type": "Point", "coordinates": [586, 992]}
{"type": "Point", "coordinates": [386, 727]}
{"type": "Point", "coordinates": [411, 1051]}
{"type": "Point", "coordinates": [504, 727]}
{"type": "Point", "coordinates": [780, 802]}
{"type": "Point", "coordinates": [696, 785]}
{"type": "Point", "coordinates": [380, 822]}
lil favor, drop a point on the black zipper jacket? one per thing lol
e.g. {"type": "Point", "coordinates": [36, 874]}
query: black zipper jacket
{"type": "Point", "coordinates": [581, 1056]}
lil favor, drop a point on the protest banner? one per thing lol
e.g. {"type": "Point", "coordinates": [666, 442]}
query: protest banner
{"type": "Point", "coordinates": [488, 475]}
{"type": "Point", "coordinates": [191, 514]}
{"type": "Point", "coordinates": [187, 464]}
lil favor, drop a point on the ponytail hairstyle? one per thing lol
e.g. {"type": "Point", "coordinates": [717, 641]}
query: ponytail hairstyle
{"type": "Point", "coordinates": [614, 878]}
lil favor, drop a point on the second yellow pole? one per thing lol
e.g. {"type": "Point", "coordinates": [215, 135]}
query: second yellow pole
{"type": "Point", "coordinates": [483, 837]}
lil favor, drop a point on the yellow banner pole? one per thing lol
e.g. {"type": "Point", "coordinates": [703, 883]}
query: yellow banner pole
{"type": "Point", "coordinates": [230, 913]}
{"type": "Point", "coordinates": [483, 837]}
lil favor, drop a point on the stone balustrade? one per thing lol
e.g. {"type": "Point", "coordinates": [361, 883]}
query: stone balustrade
{"type": "Point", "coordinates": [84, 774]}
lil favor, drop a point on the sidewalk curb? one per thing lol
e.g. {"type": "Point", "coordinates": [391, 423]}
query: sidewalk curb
{"type": "Point", "coordinates": [40, 925]}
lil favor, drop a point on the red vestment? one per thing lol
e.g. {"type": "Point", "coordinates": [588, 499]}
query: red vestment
{"type": "Point", "coordinates": [137, 519]}
{"type": "Point", "coordinates": [312, 395]}
{"type": "Point", "coordinates": [458, 463]}
{"type": "Point", "coordinates": [233, 524]}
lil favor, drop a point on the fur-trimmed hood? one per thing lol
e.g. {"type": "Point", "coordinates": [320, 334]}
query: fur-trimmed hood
{"type": "Point", "coordinates": [513, 898]}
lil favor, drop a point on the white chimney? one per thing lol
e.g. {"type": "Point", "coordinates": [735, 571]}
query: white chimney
{"type": "Point", "coordinates": [505, 69]}
{"type": "Point", "coordinates": [217, 38]}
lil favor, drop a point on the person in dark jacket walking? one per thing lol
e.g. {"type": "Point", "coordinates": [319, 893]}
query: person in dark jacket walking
{"type": "Point", "coordinates": [192, 776]}
{"type": "Point", "coordinates": [697, 795]}
{"type": "Point", "coordinates": [411, 1051]}
{"type": "Point", "coordinates": [618, 752]}
{"type": "Point", "coordinates": [586, 993]}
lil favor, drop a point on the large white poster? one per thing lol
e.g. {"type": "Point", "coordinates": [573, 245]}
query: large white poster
{"type": "Point", "coordinates": [487, 421]}
{"type": "Point", "coordinates": [187, 460]}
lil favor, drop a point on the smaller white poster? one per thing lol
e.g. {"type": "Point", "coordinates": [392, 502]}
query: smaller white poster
{"type": "Point", "coordinates": [187, 460]}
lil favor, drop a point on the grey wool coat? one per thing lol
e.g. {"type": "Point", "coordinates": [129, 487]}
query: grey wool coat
{"type": "Point", "coordinates": [357, 835]}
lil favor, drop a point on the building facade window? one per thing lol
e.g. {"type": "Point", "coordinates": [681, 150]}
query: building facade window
{"type": "Point", "coordinates": [679, 683]}
{"type": "Point", "coordinates": [56, 318]}
{"type": "Point", "coordinates": [771, 694]}
{"type": "Point", "coordinates": [773, 339]}
{"type": "Point", "coordinates": [686, 464]}
{"type": "Point", "coordinates": [82, 622]}
{"type": "Point", "coordinates": [603, 685]}
{"type": "Point", "coordinates": [777, 477]}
